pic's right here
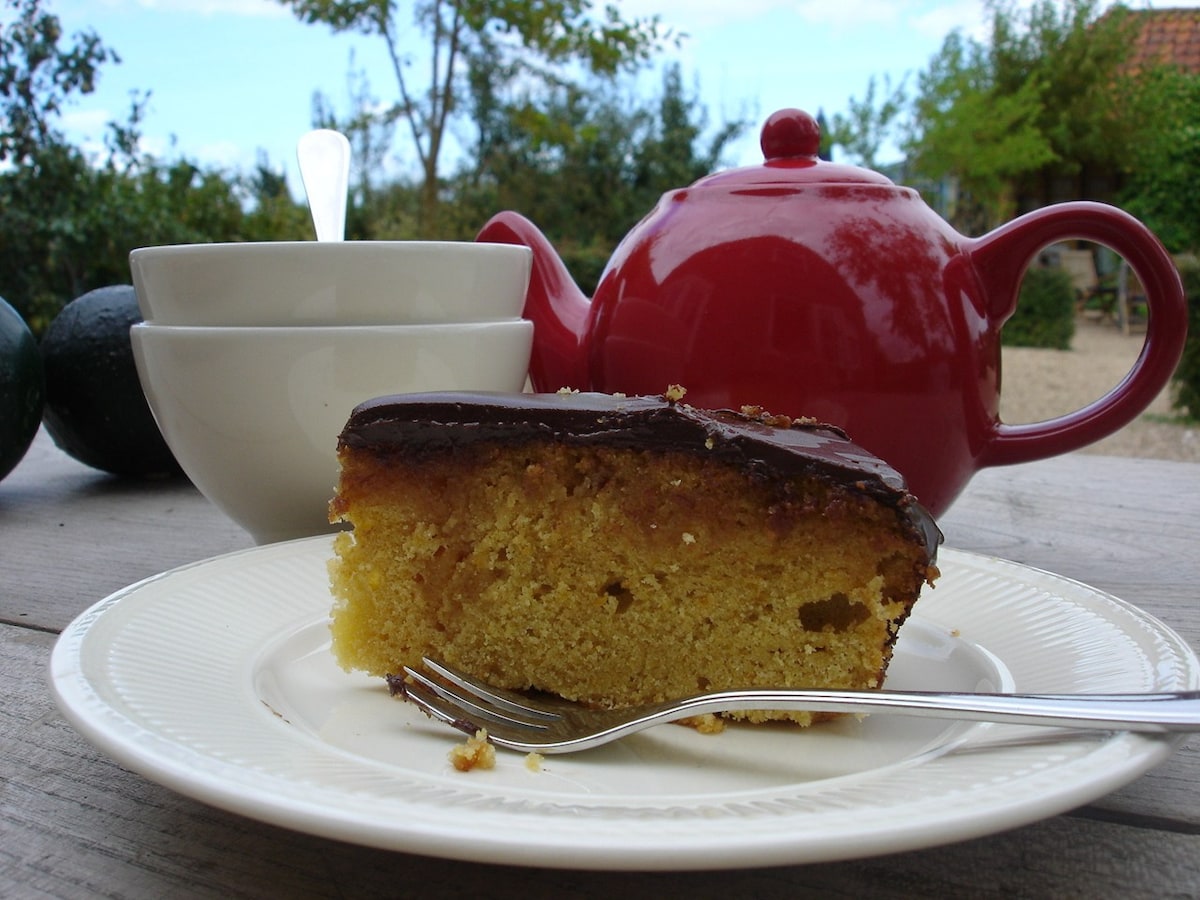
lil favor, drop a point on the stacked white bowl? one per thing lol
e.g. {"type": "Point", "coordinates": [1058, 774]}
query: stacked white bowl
{"type": "Point", "coordinates": [253, 355]}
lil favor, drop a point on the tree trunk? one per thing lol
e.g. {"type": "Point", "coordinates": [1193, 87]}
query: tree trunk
{"type": "Point", "coordinates": [427, 213]}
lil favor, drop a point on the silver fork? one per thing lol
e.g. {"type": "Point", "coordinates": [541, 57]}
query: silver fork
{"type": "Point", "coordinates": [552, 725]}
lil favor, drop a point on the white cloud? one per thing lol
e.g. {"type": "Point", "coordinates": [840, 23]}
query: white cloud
{"type": "Point", "coordinates": [225, 154]}
{"type": "Point", "coordinates": [968, 16]}
{"type": "Point", "coordinates": [86, 121]}
{"type": "Point", "coordinates": [249, 8]}
{"type": "Point", "coordinates": [688, 15]}
{"type": "Point", "coordinates": [937, 17]}
{"type": "Point", "coordinates": [158, 147]}
{"type": "Point", "coordinates": [849, 13]}
{"type": "Point", "coordinates": [972, 18]}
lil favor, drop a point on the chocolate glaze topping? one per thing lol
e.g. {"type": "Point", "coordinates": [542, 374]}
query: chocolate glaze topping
{"type": "Point", "coordinates": [421, 424]}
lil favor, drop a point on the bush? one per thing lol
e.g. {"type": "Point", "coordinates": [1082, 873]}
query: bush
{"type": "Point", "coordinates": [1045, 313]}
{"type": "Point", "coordinates": [1187, 376]}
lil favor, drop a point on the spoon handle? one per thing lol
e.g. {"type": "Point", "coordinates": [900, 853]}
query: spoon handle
{"type": "Point", "coordinates": [324, 158]}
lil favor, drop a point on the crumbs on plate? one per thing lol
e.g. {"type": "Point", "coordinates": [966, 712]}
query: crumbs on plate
{"type": "Point", "coordinates": [476, 753]}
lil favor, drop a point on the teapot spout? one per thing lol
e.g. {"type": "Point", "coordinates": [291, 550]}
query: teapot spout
{"type": "Point", "coordinates": [554, 303]}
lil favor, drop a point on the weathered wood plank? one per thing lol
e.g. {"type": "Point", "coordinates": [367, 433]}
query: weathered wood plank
{"type": "Point", "coordinates": [70, 535]}
{"type": "Point", "coordinates": [1126, 526]}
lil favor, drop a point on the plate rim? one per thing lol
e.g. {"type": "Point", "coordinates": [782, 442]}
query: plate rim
{"type": "Point", "coordinates": [86, 710]}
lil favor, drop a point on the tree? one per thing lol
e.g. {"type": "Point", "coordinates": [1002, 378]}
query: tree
{"type": "Point", "coordinates": [370, 137]}
{"type": "Point", "coordinates": [39, 197]}
{"type": "Point", "coordinates": [968, 131]}
{"type": "Point", "coordinates": [1164, 107]}
{"type": "Point", "coordinates": [672, 155]}
{"type": "Point", "coordinates": [864, 129]}
{"type": "Point", "coordinates": [37, 76]}
{"type": "Point", "coordinates": [1031, 105]}
{"type": "Point", "coordinates": [67, 221]}
{"type": "Point", "coordinates": [538, 36]}
{"type": "Point", "coordinates": [584, 162]}
{"type": "Point", "coordinates": [1160, 187]}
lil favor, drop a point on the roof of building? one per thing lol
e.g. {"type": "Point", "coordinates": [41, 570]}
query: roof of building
{"type": "Point", "coordinates": [1166, 36]}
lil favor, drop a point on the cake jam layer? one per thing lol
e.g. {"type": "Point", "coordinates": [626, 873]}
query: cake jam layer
{"type": "Point", "coordinates": [778, 447]}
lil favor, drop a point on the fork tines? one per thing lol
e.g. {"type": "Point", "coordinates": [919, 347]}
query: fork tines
{"type": "Point", "coordinates": [465, 703]}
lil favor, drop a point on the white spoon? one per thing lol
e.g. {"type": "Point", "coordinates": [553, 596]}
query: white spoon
{"type": "Point", "coordinates": [324, 158]}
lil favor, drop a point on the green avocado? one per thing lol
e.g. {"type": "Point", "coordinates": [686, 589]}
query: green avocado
{"type": "Point", "coordinates": [95, 408]}
{"type": "Point", "coordinates": [22, 388]}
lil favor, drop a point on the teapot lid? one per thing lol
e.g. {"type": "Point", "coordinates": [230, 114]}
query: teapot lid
{"type": "Point", "coordinates": [791, 141]}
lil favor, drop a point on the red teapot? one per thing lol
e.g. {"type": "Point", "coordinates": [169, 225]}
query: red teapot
{"type": "Point", "coordinates": [817, 289]}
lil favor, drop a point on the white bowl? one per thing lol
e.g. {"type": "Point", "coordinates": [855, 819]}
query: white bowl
{"type": "Point", "coordinates": [253, 414]}
{"type": "Point", "coordinates": [330, 283]}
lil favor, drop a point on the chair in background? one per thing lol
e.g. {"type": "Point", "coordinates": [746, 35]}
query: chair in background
{"type": "Point", "coordinates": [1092, 295]}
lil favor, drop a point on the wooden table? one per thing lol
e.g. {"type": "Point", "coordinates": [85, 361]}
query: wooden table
{"type": "Point", "coordinates": [75, 824]}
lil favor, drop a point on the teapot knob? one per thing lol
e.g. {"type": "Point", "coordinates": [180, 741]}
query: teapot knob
{"type": "Point", "coordinates": [789, 133]}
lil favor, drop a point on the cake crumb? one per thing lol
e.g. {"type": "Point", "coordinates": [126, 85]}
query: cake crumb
{"type": "Point", "coordinates": [706, 723]}
{"type": "Point", "coordinates": [675, 393]}
{"type": "Point", "coordinates": [475, 753]}
{"type": "Point", "coordinates": [689, 538]}
{"type": "Point", "coordinates": [533, 762]}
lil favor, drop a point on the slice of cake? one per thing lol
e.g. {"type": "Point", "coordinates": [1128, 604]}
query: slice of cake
{"type": "Point", "coordinates": [619, 550]}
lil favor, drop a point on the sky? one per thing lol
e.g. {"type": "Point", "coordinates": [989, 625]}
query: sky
{"type": "Point", "coordinates": [232, 81]}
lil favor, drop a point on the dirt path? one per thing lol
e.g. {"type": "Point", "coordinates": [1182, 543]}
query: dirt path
{"type": "Point", "coordinates": [1038, 384]}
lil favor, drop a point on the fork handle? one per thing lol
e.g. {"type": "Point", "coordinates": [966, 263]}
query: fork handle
{"type": "Point", "coordinates": [1160, 712]}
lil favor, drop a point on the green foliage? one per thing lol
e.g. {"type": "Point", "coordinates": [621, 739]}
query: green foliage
{"type": "Point", "coordinates": [68, 225]}
{"type": "Point", "coordinates": [37, 75]}
{"type": "Point", "coordinates": [1045, 313]}
{"type": "Point", "coordinates": [583, 163]}
{"type": "Point", "coordinates": [67, 221]}
{"type": "Point", "coordinates": [972, 132]}
{"type": "Point", "coordinates": [1160, 189]}
{"type": "Point", "coordinates": [864, 128]}
{"type": "Point", "coordinates": [539, 40]}
{"type": "Point", "coordinates": [1074, 50]}
{"type": "Point", "coordinates": [373, 212]}
{"type": "Point", "coordinates": [1187, 376]}
{"type": "Point", "coordinates": [1034, 100]}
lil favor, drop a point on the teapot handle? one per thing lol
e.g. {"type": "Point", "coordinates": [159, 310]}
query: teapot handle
{"type": "Point", "coordinates": [1000, 259]}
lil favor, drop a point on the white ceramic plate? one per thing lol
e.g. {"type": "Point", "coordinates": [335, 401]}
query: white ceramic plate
{"type": "Point", "coordinates": [215, 680]}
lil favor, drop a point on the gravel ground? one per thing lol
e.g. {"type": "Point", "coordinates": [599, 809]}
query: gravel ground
{"type": "Point", "coordinates": [1039, 384]}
